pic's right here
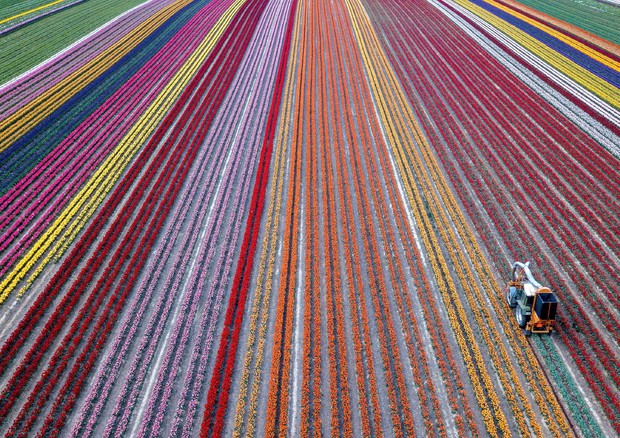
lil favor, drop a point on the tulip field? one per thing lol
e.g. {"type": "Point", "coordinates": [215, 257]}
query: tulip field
{"type": "Point", "coordinates": [298, 217]}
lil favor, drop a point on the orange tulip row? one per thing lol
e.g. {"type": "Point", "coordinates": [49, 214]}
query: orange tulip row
{"type": "Point", "coordinates": [407, 156]}
{"type": "Point", "coordinates": [405, 306]}
{"type": "Point", "coordinates": [364, 359]}
{"type": "Point", "coordinates": [311, 419]}
{"type": "Point", "coordinates": [426, 393]}
{"type": "Point", "coordinates": [276, 422]}
{"type": "Point", "coordinates": [341, 417]}
{"type": "Point", "coordinates": [400, 404]}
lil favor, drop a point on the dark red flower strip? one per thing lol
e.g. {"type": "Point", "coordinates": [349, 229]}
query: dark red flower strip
{"type": "Point", "coordinates": [507, 126]}
{"type": "Point", "coordinates": [54, 325]}
{"type": "Point", "coordinates": [82, 323]}
{"type": "Point", "coordinates": [217, 398]}
{"type": "Point", "coordinates": [498, 136]}
{"type": "Point", "coordinates": [72, 387]}
{"type": "Point", "coordinates": [64, 402]}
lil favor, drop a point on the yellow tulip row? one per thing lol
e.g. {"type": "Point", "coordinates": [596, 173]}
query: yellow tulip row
{"type": "Point", "coordinates": [81, 208]}
{"type": "Point", "coordinates": [30, 11]}
{"type": "Point", "coordinates": [263, 290]}
{"type": "Point", "coordinates": [523, 353]}
{"type": "Point", "coordinates": [571, 29]}
{"type": "Point", "coordinates": [384, 92]}
{"type": "Point", "coordinates": [590, 81]}
{"type": "Point", "coordinates": [465, 273]}
{"type": "Point", "coordinates": [520, 346]}
{"type": "Point", "coordinates": [23, 120]}
{"type": "Point", "coordinates": [525, 357]}
{"type": "Point", "coordinates": [521, 349]}
{"type": "Point", "coordinates": [448, 236]}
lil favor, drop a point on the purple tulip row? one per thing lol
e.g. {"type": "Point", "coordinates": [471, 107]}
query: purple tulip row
{"type": "Point", "coordinates": [132, 385]}
{"type": "Point", "coordinates": [162, 308]}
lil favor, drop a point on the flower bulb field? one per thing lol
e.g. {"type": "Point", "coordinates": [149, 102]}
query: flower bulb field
{"type": "Point", "coordinates": [230, 218]}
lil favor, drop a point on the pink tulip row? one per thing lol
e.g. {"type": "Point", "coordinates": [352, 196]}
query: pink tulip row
{"type": "Point", "coordinates": [158, 406]}
{"type": "Point", "coordinates": [138, 376]}
{"type": "Point", "coordinates": [76, 378]}
{"type": "Point", "coordinates": [51, 185]}
{"type": "Point", "coordinates": [189, 399]}
{"type": "Point", "coordinates": [109, 371]}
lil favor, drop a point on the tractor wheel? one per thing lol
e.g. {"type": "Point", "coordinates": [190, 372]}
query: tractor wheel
{"type": "Point", "coordinates": [510, 303]}
{"type": "Point", "coordinates": [522, 318]}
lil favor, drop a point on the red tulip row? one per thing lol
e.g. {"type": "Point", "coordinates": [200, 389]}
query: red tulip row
{"type": "Point", "coordinates": [474, 168]}
{"type": "Point", "coordinates": [37, 199]}
{"type": "Point", "coordinates": [365, 189]}
{"type": "Point", "coordinates": [217, 397]}
{"type": "Point", "coordinates": [170, 178]}
{"type": "Point", "coordinates": [167, 159]}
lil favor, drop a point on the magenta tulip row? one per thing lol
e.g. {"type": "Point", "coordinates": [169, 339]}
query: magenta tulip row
{"type": "Point", "coordinates": [37, 199]}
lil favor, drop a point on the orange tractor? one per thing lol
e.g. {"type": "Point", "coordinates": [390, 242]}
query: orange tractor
{"type": "Point", "coordinates": [535, 306]}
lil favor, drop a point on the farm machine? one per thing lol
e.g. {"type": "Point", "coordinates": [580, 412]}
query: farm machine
{"type": "Point", "coordinates": [535, 305]}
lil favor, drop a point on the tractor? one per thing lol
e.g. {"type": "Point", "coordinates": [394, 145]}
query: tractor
{"type": "Point", "coordinates": [535, 305]}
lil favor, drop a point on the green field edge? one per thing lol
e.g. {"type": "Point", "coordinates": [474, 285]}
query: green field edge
{"type": "Point", "coordinates": [601, 19]}
{"type": "Point", "coordinates": [10, 9]}
{"type": "Point", "coordinates": [34, 43]}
